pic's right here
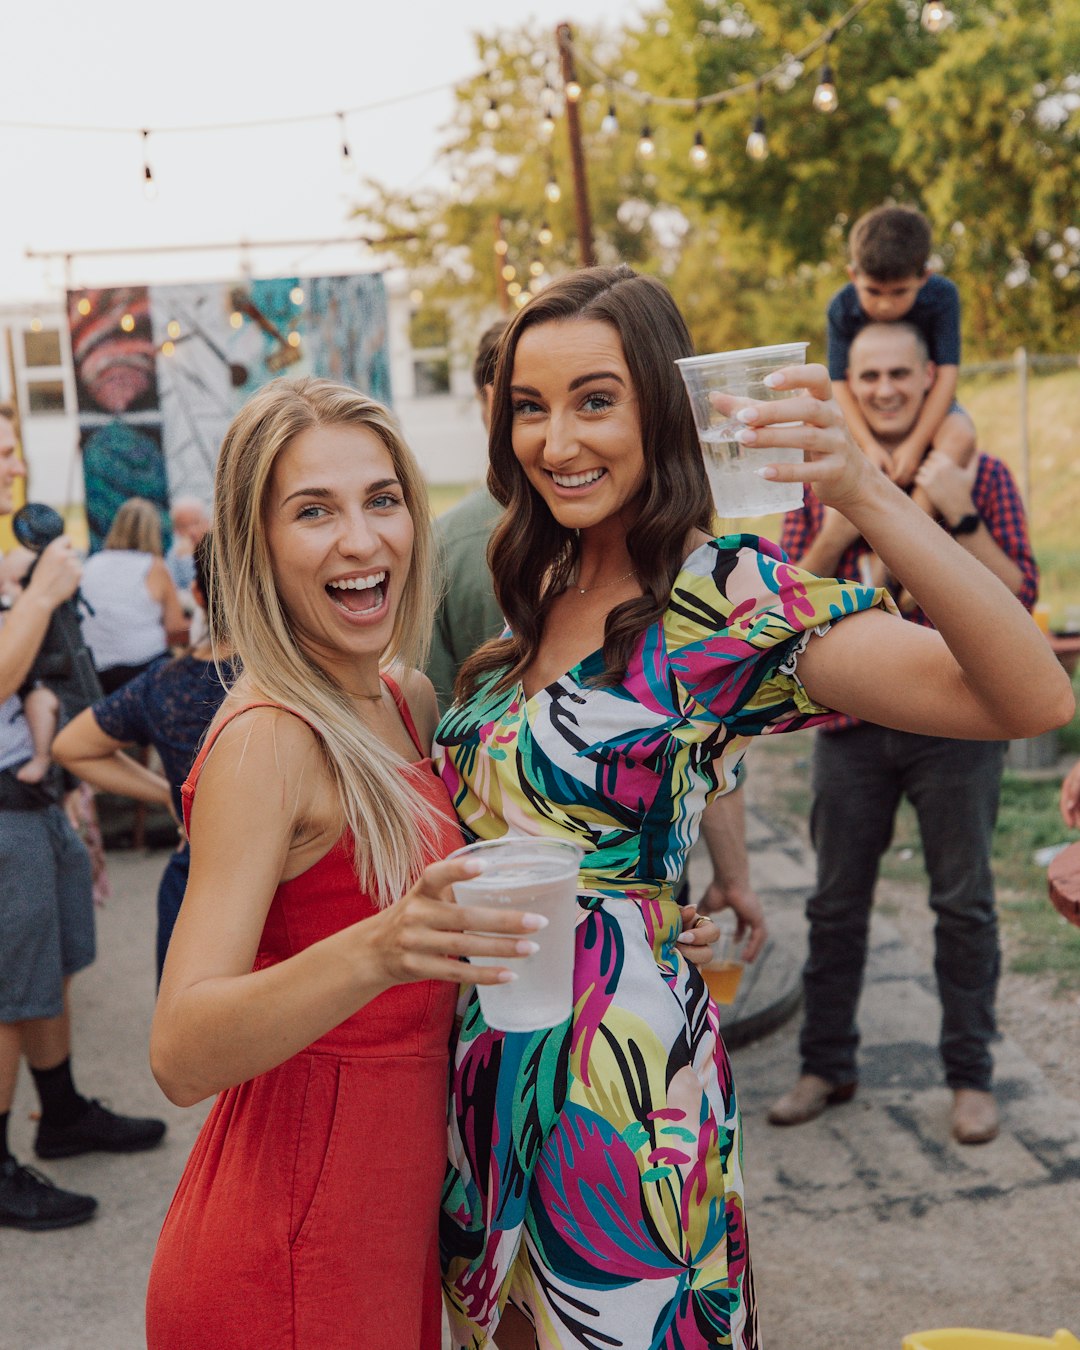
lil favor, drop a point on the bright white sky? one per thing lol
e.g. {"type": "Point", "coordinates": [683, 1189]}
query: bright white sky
{"type": "Point", "coordinates": [133, 63]}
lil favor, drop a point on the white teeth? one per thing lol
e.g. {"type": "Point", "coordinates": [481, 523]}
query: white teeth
{"type": "Point", "coordinates": [359, 583]}
{"type": "Point", "coordinates": [577, 479]}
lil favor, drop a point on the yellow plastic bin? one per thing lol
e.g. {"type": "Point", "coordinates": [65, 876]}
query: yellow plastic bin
{"type": "Point", "coordinates": [963, 1338]}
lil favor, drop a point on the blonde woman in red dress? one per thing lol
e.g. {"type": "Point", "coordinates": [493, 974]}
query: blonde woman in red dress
{"type": "Point", "coordinates": [312, 973]}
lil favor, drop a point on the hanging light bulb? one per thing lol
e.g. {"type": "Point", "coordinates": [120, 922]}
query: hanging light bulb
{"type": "Point", "coordinates": [513, 289]}
{"type": "Point", "coordinates": [149, 187]}
{"type": "Point", "coordinates": [296, 295]}
{"type": "Point", "coordinates": [934, 16]}
{"type": "Point", "coordinates": [552, 192]}
{"type": "Point", "coordinates": [646, 146]}
{"type": "Point", "coordinates": [825, 97]}
{"type": "Point", "coordinates": [509, 272]}
{"type": "Point", "coordinates": [502, 248]}
{"type": "Point", "coordinates": [544, 235]}
{"type": "Point", "coordinates": [548, 98]}
{"type": "Point", "coordinates": [346, 153]}
{"type": "Point", "coordinates": [127, 322]}
{"type": "Point", "coordinates": [572, 91]}
{"type": "Point", "coordinates": [699, 156]}
{"type": "Point", "coordinates": [490, 118]}
{"type": "Point", "coordinates": [610, 125]}
{"type": "Point", "coordinates": [236, 319]}
{"type": "Point", "coordinates": [84, 306]}
{"type": "Point", "coordinates": [173, 328]}
{"type": "Point", "coordinates": [536, 268]}
{"type": "Point", "coordinates": [547, 127]}
{"type": "Point", "coordinates": [168, 348]}
{"type": "Point", "coordinates": [757, 146]}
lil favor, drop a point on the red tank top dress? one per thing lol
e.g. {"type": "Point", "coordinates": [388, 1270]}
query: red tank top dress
{"type": "Point", "coordinates": [307, 1215]}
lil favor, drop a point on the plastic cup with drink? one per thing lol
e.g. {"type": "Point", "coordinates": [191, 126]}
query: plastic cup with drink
{"type": "Point", "coordinates": [724, 972]}
{"type": "Point", "coordinates": [731, 466]}
{"type": "Point", "coordinates": [541, 876]}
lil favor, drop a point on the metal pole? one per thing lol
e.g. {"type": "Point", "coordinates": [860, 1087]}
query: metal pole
{"type": "Point", "coordinates": [1021, 358]}
{"type": "Point", "coordinates": [563, 37]}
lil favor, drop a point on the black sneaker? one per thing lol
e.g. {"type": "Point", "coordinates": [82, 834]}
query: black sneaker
{"type": "Point", "coordinates": [29, 1200]}
{"type": "Point", "coordinates": [98, 1131]}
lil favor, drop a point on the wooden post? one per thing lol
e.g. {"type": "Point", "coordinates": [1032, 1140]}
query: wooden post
{"type": "Point", "coordinates": [583, 216]}
{"type": "Point", "coordinates": [1021, 358]}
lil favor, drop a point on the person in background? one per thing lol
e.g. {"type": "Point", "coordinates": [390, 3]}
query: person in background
{"type": "Point", "coordinates": [46, 918]}
{"type": "Point", "coordinates": [466, 612]}
{"type": "Point", "coordinates": [168, 707]}
{"type": "Point", "coordinates": [190, 521]}
{"type": "Point", "coordinates": [1069, 801]}
{"type": "Point", "coordinates": [135, 614]}
{"type": "Point", "coordinates": [862, 770]}
{"type": "Point", "coordinates": [890, 281]}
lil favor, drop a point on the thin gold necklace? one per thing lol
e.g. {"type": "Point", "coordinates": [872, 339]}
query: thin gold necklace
{"type": "Point", "coordinates": [584, 590]}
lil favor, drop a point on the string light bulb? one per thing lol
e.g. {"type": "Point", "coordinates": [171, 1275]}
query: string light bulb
{"type": "Point", "coordinates": [646, 146]}
{"type": "Point", "coordinates": [825, 96]}
{"type": "Point", "coordinates": [127, 322]}
{"type": "Point", "coordinates": [346, 153]}
{"type": "Point", "coordinates": [547, 126]}
{"type": "Point", "coordinates": [173, 328]}
{"type": "Point", "coordinates": [757, 145]}
{"type": "Point", "coordinates": [502, 248]}
{"type": "Point", "coordinates": [513, 289]}
{"type": "Point", "coordinates": [168, 348]}
{"type": "Point", "coordinates": [84, 306]}
{"type": "Point", "coordinates": [699, 155]}
{"type": "Point", "coordinates": [610, 125]}
{"type": "Point", "coordinates": [293, 339]}
{"type": "Point", "coordinates": [934, 16]}
{"type": "Point", "coordinates": [236, 319]}
{"type": "Point", "coordinates": [509, 272]}
{"type": "Point", "coordinates": [553, 192]}
{"type": "Point", "coordinates": [296, 295]}
{"type": "Point", "coordinates": [149, 187]}
{"type": "Point", "coordinates": [544, 235]}
{"type": "Point", "coordinates": [536, 268]}
{"type": "Point", "coordinates": [491, 118]}
{"type": "Point", "coordinates": [572, 91]}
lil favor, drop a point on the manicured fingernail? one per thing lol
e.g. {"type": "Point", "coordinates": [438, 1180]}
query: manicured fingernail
{"type": "Point", "coordinates": [774, 380]}
{"type": "Point", "coordinates": [687, 937]}
{"type": "Point", "coordinates": [747, 436]}
{"type": "Point", "coordinates": [746, 415]}
{"type": "Point", "coordinates": [767, 472]}
{"type": "Point", "coordinates": [526, 948]}
{"type": "Point", "coordinates": [533, 921]}
{"type": "Point", "coordinates": [506, 977]}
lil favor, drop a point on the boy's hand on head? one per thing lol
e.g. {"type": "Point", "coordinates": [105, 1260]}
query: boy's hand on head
{"type": "Point", "coordinates": [905, 462]}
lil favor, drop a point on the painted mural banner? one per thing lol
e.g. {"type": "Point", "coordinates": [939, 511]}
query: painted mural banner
{"type": "Point", "coordinates": [161, 370]}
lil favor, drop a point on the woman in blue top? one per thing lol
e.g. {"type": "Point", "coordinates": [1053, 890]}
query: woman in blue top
{"type": "Point", "coordinates": [169, 707]}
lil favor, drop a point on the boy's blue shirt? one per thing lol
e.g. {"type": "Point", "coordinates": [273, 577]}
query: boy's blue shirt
{"type": "Point", "coordinates": [935, 313]}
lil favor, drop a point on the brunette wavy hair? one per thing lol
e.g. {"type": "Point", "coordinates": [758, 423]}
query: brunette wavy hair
{"type": "Point", "coordinates": [532, 557]}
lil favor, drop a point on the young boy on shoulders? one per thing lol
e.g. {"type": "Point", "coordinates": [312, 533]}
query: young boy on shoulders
{"type": "Point", "coordinates": [889, 249]}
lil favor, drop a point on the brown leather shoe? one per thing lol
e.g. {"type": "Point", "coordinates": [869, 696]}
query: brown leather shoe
{"type": "Point", "coordinates": [974, 1116]}
{"type": "Point", "coordinates": [807, 1099]}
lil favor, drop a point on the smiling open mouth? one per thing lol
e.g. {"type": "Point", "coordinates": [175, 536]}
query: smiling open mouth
{"type": "Point", "coordinates": [573, 480]}
{"type": "Point", "coordinates": [359, 595]}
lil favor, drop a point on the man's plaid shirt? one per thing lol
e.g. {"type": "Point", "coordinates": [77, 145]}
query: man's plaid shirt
{"type": "Point", "coordinates": [997, 501]}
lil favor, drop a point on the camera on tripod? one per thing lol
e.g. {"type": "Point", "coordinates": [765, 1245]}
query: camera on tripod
{"type": "Point", "coordinates": [63, 661]}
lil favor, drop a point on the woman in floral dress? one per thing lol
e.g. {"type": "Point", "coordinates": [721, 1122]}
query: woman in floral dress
{"type": "Point", "coordinates": [594, 1196]}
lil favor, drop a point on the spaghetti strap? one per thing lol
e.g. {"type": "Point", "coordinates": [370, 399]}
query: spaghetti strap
{"type": "Point", "coordinates": [187, 791]}
{"type": "Point", "coordinates": [406, 715]}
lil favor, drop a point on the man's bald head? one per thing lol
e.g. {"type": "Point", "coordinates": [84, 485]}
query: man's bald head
{"type": "Point", "coordinates": [889, 374]}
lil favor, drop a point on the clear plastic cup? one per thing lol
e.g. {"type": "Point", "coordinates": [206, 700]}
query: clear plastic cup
{"type": "Point", "coordinates": [731, 466]}
{"type": "Point", "coordinates": [541, 876]}
{"type": "Point", "coordinates": [723, 974]}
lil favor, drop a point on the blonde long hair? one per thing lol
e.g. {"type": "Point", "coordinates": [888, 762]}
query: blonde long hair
{"type": "Point", "coordinates": [389, 819]}
{"type": "Point", "coordinates": [136, 525]}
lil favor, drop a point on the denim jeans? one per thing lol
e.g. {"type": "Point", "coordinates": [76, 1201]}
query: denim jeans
{"type": "Point", "coordinates": [171, 890]}
{"type": "Point", "coordinates": [859, 778]}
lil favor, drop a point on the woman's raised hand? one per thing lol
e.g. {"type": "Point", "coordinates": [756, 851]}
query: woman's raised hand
{"type": "Point", "coordinates": [838, 470]}
{"type": "Point", "coordinates": [423, 935]}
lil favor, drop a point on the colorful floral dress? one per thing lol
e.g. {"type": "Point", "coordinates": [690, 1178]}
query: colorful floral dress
{"type": "Point", "coordinates": [595, 1175]}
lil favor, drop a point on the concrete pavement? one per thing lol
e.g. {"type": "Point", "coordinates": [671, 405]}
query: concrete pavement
{"type": "Point", "coordinates": [867, 1224]}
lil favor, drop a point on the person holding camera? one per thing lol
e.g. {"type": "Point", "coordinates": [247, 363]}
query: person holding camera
{"type": "Point", "coordinates": [46, 917]}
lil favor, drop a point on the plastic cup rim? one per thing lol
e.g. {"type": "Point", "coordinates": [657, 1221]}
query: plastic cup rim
{"type": "Point", "coordinates": [743, 354]}
{"type": "Point", "coordinates": [526, 841]}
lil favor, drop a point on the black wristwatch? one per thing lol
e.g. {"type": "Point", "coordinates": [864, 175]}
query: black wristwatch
{"type": "Point", "coordinates": [966, 524]}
